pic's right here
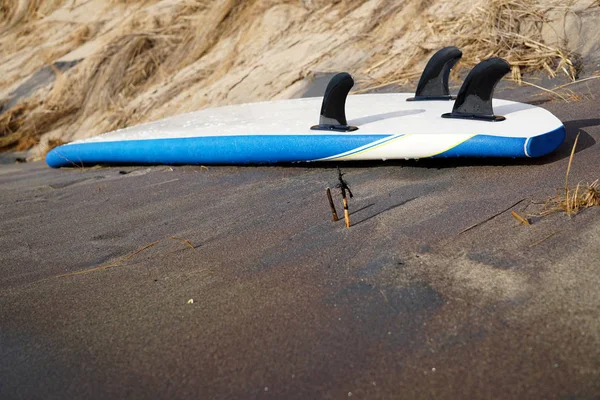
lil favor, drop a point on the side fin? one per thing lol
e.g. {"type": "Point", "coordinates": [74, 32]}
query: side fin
{"type": "Point", "coordinates": [433, 84]}
{"type": "Point", "coordinates": [333, 113]}
{"type": "Point", "coordinates": [474, 99]}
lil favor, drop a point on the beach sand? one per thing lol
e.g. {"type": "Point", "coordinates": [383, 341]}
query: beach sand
{"type": "Point", "coordinates": [287, 303]}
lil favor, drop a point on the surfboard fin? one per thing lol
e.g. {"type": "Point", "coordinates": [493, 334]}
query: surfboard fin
{"type": "Point", "coordinates": [333, 109]}
{"type": "Point", "coordinates": [474, 100]}
{"type": "Point", "coordinates": [433, 84]}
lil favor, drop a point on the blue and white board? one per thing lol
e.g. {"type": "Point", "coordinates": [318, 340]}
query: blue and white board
{"type": "Point", "coordinates": [389, 128]}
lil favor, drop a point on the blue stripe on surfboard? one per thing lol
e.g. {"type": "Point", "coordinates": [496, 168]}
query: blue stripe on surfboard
{"type": "Point", "coordinates": [278, 148]}
{"type": "Point", "coordinates": [544, 144]}
{"type": "Point", "coordinates": [209, 150]}
{"type": "Point", "coordinates": [496, 146]}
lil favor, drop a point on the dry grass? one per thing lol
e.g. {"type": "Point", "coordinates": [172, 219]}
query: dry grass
{"type": "Point", "coordinates": [13, 12]}
{"type": "Point", "coordinates": [491, 217]}
{"type": "Point", "coordinates": [11, 123]}
{"type": "Point", "coordinates": [107, 81]}
{"type": "Point", "coordinates": [542, 240]}
{"type": "Point", "coordinates": [573, 200]}
{"type": "Point", "coordinates": [163, 58]}
{"type": "Point", "coordinates": [511, 29]}
{"type": "Point", "coordinates": [120, 261]}
{"type": "Point", "coordinates": [562, 92]}
{"type": "Point", "coordinates": [52, 143]}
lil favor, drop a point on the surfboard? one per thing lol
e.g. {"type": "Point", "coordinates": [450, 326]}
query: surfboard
{"type": "Point", "coordinates": [381, 127]}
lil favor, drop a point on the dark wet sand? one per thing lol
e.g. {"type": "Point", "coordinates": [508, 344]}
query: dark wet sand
{"type": "Point", "coordinates": [286, 303]}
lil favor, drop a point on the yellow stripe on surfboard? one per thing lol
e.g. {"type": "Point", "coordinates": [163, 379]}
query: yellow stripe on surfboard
{"type": "Point", "coordinates": [363, 151]}
{"type": "Point", "coordinates": [413, 142]}
{"type": "Point", "coordinates": [453, 146]}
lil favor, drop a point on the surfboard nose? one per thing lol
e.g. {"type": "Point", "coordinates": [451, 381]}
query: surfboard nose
{"type": "Point", "coordinates": [53, 160]}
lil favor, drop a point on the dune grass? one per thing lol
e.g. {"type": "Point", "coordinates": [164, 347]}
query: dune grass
{"type": "Point", "coordinates": [572, 200]}
{"type": "Point", "coordinates": [160, 50]}
{"type": "Point", "coordinates": [510, 29]}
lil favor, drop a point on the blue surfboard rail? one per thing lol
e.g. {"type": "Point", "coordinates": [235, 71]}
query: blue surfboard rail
{"type": "Point", "coordinates": [255, 149]}
{"type": "Point", "coordinates": [495, 146]}
{"type": "Point", "coordinates": [269, 149]}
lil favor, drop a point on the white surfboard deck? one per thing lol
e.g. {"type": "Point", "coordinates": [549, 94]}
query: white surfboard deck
{"type": "Point", "coordinates": [279, 131]}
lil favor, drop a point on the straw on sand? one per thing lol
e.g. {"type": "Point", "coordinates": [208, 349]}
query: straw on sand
{"type": "Point", "coordinates": [573, 200]}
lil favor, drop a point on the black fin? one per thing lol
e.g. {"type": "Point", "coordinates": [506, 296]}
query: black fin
{"type": "Point", "coordinates": [474, 99]}
{"type": "Point", "coordinates": [333, 113]}
{"type": "Point", "coordinates": [433, 84]}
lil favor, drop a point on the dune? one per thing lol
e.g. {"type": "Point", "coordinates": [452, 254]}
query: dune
{"type": "Point", "coordinates": [72, 69]}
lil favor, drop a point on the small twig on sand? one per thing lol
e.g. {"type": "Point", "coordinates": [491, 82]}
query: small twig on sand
{"type": "Point", "coordinates": [571, 159]}
{"type": "Point", "coordinates": [159, 183]}
{"type": "Point", "coordinates": [542, 240]}
{"type": "Point", "coordinates": [551, 91]}
{"type": "Point", "coordinates": [183, 241]}
{"type": "Point", "coordinates": [333, 210]}
{"type": "Point", "coordinates": [574, 82]}
{"type": "Point", "coordinates": [521, 219]}
{"type": "Point", "coordinates": [110, 265]}
{"type": "Point", "coordinates": [490, 218]}
{"type": "Point", "coordinates": [122, 260]}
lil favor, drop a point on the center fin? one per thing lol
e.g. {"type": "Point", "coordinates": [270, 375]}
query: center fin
{"type": "Point", "coordinates": [433, 84]}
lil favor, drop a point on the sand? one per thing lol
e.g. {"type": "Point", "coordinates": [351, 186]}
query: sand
{"type": "Point", "coordinates": [288, 304]}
